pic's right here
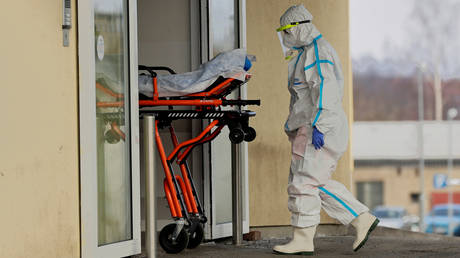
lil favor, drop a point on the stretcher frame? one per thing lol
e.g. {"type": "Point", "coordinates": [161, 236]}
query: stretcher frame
{"type": "Point", "coordinates": [181, 193]}
{"type": "Point", "coordinates": [180, 190]}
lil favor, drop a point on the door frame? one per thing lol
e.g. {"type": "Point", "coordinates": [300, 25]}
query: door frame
{"type": "Point", "coordinates": [213, 230]}
{"type": "Point", "coordinates": [88, 148]}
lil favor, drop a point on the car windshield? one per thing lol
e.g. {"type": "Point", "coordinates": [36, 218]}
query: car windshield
{"type": "Point", "coordinates": [388, 214]}
{"type": "Point", "coordinates": [444, 212]}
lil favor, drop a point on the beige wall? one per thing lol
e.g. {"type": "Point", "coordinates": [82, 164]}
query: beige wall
{"type": "Point", "coordinates": [39, 203]}
{"type": "Point", "coordinates": [269, 154]}
{"type": "Point", "coordinates": [398, 184]}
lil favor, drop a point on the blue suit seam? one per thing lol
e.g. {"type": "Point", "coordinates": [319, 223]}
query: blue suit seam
{"type": "Point", "coordinates": [339, 200]}
{"type": "Point", "coordinates": [322, 80]}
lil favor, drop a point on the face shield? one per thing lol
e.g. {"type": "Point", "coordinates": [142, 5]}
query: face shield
{"type": "Point", "coordinates": [287, 52]}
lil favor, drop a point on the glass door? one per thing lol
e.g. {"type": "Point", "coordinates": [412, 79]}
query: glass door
{"type": "Point", "coordinates": [172, 45]}
{"type": "Point", "coordinates": [109, 138]}
{"type": "Point", "coordinates": [226, 32]}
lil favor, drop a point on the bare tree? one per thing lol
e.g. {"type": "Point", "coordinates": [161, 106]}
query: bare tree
{"type": "Point", "coordinates": [433, 35]}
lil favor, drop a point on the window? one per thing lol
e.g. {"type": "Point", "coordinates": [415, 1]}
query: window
{"type": "Point", "coordinates": [370, 193]}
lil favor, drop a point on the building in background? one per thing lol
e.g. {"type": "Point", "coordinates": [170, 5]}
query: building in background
{"type": "Point", "coordinates": [403, 71]}
{"type": "Point", "coordinates": [386, 163]}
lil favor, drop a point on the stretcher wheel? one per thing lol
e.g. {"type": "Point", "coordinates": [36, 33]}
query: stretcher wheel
{"type": "Point", "coordinates": [170, 246]}
{"type": "Point", "coordinates": [249, 134]}
{"type": "Point", "coordinates": [236, 135]}
{"type": "Point", "coordinates": [204, 220]}
{"type": "Point", "coordinates": [196, 237]}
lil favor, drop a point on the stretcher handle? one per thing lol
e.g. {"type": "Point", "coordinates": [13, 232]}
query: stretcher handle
{"type": "Point", "coordinates": [151, 69]}
{"type": "Point", "coordinates": [240, 102]}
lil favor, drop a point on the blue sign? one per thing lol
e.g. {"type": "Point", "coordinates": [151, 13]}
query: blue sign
{"type": "Point", "coordinates": [439, 181]}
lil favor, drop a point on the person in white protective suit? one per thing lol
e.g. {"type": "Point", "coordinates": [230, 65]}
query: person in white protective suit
{"type": "Point", "coordinates": [318, 131]}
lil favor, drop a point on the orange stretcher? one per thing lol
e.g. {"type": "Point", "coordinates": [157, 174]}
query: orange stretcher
{"type": "Point", "coordinates": [180, 190]}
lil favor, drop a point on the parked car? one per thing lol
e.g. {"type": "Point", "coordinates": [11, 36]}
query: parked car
{"type": "Point", "coordinates": [396, 217]}
{"type": "Point", "coordinates": [438, 220]}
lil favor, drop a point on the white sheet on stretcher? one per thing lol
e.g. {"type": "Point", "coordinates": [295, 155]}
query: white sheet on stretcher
{"type": "Point", "coordinates": [228, 64]}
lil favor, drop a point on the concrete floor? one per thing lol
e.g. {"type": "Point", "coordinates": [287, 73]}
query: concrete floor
{"type": "Point", "coordinates": [383, 243]}
{"type": "Point", "coordinates": [337, 246]}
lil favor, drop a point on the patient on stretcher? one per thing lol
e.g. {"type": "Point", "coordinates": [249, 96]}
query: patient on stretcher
{"type": "Point", "coordinates": [231, 64]}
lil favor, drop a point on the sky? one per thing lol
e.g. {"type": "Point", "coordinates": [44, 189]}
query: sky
{"type": "Point", "coordinates": [380, 28]}
{"type": "Point", "coordinates": [374, 21]}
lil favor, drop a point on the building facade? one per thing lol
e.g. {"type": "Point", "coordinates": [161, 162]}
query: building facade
{"type": "Point", "coordinates": [387, 170]}
{"type": "Point", "coordinates": [50, 157]}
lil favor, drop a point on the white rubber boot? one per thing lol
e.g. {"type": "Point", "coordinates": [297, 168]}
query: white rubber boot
{"type": "Point", "coordinates": [364, 224]}
{"type": "Point", "coordinates": [301, 243]}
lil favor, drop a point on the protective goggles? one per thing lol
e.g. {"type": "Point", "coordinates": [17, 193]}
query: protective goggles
{"type": "Point", "coordinates": [288, 53]}
{"type": "Point", "coordinates": [292, 24]}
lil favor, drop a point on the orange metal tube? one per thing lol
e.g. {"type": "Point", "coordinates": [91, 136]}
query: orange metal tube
{"type": "Point", "coordinates": [108, 91]}
{"type": "Point", "coordinates": [182, 155]}
{"type": "Point", "coordinates": [220, 87]}
{"type": "Point", "coordinates": [185, 193]}
{"type": "Point", "coordinates": [188, 189]}
{"type": "Point", "coordinates": [169, 199]}
{"type": "Point", "coordinates": [118, 131]}
{"type": "Point", "coordinates": [190, 102]}
{"type": "Point", "coordinates": [110, 104]}
{"type": "Point", "coordinates": [213, 90]}
{"type": "Point", "coordinates": [173, 137]}
{"type": "Point", "coordinates": [167, 171]}
{"type": "Point", "coordinates": [155, 89]}
{"type": "Point", "coordinates": [194, 140]}
{"type": "Point", "coordinates": [183, 170]}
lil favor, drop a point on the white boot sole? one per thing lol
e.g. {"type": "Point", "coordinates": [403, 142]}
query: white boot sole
{"type": "Point", "coordinates": [295, 253]}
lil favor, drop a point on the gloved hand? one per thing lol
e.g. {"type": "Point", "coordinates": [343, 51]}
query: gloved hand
{"type": "Point", "coordinates": [317, 138]}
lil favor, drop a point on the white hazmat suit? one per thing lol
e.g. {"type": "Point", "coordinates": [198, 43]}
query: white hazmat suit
{"type": "Point", "coordinates": [316, 87]}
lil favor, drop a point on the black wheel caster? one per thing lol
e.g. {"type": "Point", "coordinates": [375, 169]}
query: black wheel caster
{"type": "Point", "coordinates": [173, 246]}
{"type": "Point", "coordinates": [112, 137]}
{"type": "Point", "coordinates": [203, 220]}
{"type": "Point", "coordinates": [236, 135]}
{"type": "Point", "coordinates": [196, 237]}
{"type": "Point", "coordinates": [249, 134]}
